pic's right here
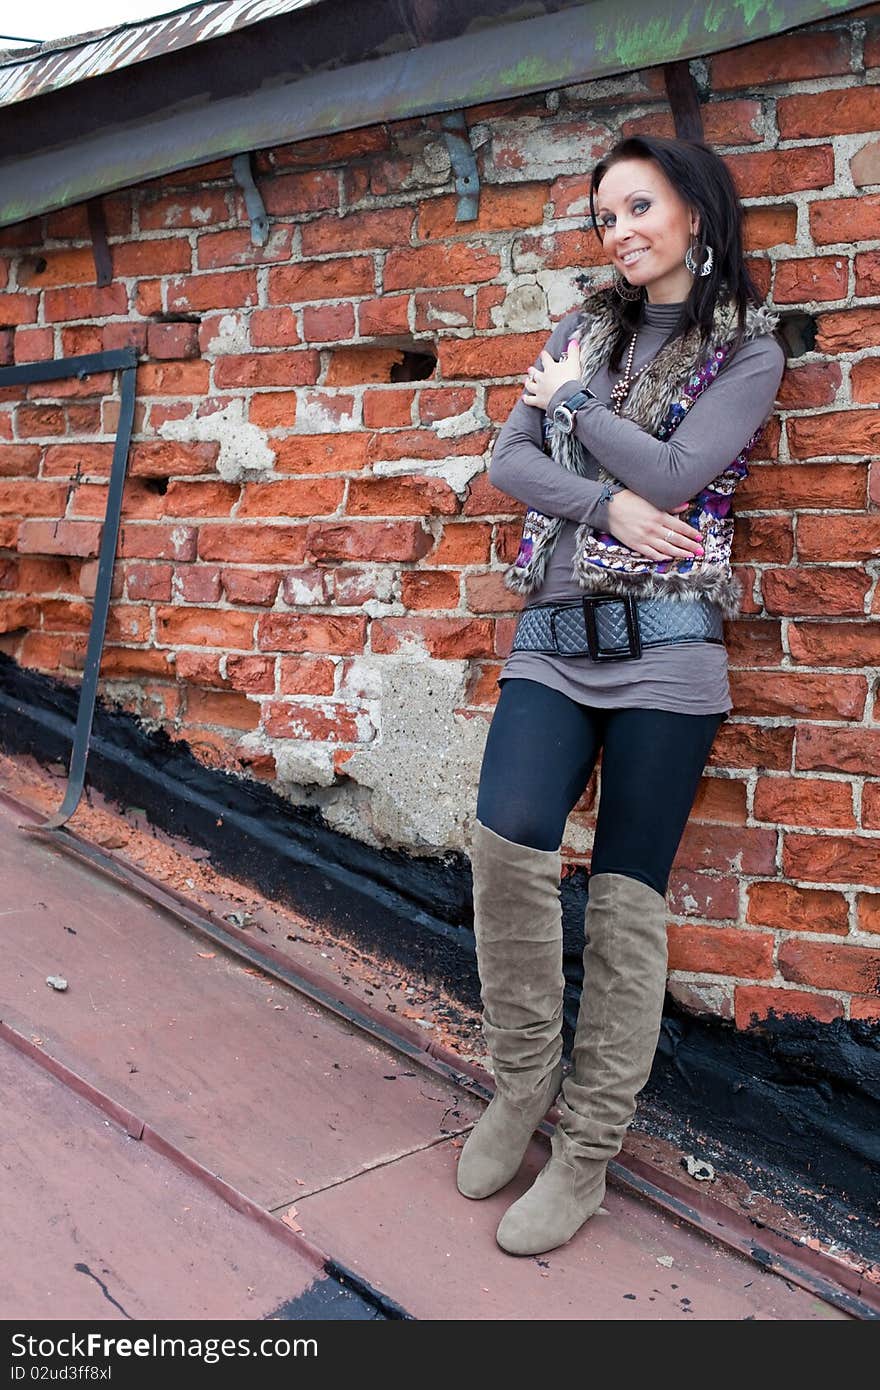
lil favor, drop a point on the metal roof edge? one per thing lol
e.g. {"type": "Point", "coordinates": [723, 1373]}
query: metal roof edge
{"type": "Point", "coordinates": [526, 56]}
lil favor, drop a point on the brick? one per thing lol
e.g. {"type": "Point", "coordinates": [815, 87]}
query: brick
{"type": "Point", "coordinates": [152, 256]}
{"type": "Point", "coordinates": [330, 279]}
{"type": "Point", "coordinates": [356, 366]}
{"type": "Point", "coordinates": [871, 806]}
{"type": "Point", "coordinates": [486, 593]}
{"type": "Point", "coordinates": [720, 951]}
{"type": "Point", "coordinates": [798, 693]}
{"type": "Point", "coordinates": [767, 226]}
{"type": "Point", "coordinates": [148, 581]}
{"type": "Point", "coordinates": [225, 708]}
{"type": "Point", "coordinates": [321, 453]}
{"type": "Point", "coordinates": [849, 859]}
{"type": "Point", "coordinates": [767, 173]}
{"type": "Point", "coordinates": [809, 801]}
{"type": "Point", "coordinates": [431, 589]}
{"type": "Point", "coordinates": [292, 498]}
{"type": "Point", "coordinates": [30, 345]}
{"type": "Point", "coordinates": [557, 251]}
{"type": "Point", "coordinates": [724, 123]}
{"type": "Point", "coordinates": [332, 722]}
{"type": "Point", "coordinates": [273, 410]}
{"type": "Point", "coordinates": [833, 111]}
{"type": "Point", "coordinates": [445, 401]}
{"type": "Point", "coordinates": [498, 355]}
{"type": "Point", "coordinates": [173, 378]}
{"type": "Point", "coordinates": [785, 58]}
{"type": "Point", "coordinates": [388, 409]}
{"type": "Point", "coordinates": [123, 335]}
{"type": "Point", "coordinates": [500, 401]}
{"type": "Point", "coordinates": [442, 638]}
{"type": "Point", "coordinates": [811, 280]}
{"type": "Point", "coordinates": [824, 592]}
{"type": "Point", "coordinates": [19, 460]}
{"type": "Point", "coordinates": [837, 750]}
{"type": "Point", "coordinates": [754, 643]}
{"type": "Point", "coordinates": [833, 433]}
{"type": "Point", "coordinates": [327, 411]}
{"type": "Point", "coordinates": [18, 612]}
{"type": "Point", "coordinates": [368, 540]}
{"type": "Point", "coordinates": [382, 317]}
{"type": "Point", "coordinates": [169, 459]}
{"type": "Point", "coordinates": [845, 220]}
{"type": "Point", "coordinates": [424, 444]}
{"type": "Point", "coordinates": [755, 1003]}
{"type": "Point", "coordinates": [786, 907]}
{"type": "Point", "coordinates": [868, 911]}
{"type": "Point", "coordinates": [314, 191]}
{"type": "Point", "coordinates": [252, 543]}
{"type": "Point", "coordinates": [437, 310]}
{"type": "Point", "coordinates": [865, 380]}
{"type": "Point", "coordinates": [829, 965]}
{"type": "Point", "coordinates": [328, 149]}
{"type": "Point", "coordinates": [868, 1009]}
{"type": "Point", "coordinates": [225, 289]}
{"type": "Point", "coordinates": [463, 543]}
{"type": "Point", "coordinates": [198, 583]}
{"type": "Point", "coordinates": [742, 850]}
{"type": "Point", "coordinates": [867, 268]}
{"type": "Point", "coordinates": [848, 330]}
{"type": "Point", "coordinates": [86, 302]}
{"type": "Point", "coordinates": [804, 487]}
{"type": "Point", "coordinates": [487, 299]}
{"type": "Point", "coordinates": [59, 537]}
{"type": "Point", "coordinates": [812, 385]}
{"type": "Point", "coordinates": [305, 676]}
{"type": "Point", "coordinates": [53, 268]}
{"type": "Point", "coordinates": [306, 586]}
{"type": "Point", "coordinates": [328, 323]}
{"type": "Point", "coordinates": [502, 208]}
{"type": "Point", "coordinates": [204, 627]}
{"type": "Point", "coordinates": [850, 644]}
{"type": "Point", "coordinates": [401, 496]}
{"type": "Point", "coordinates": [172, 340]}
{"type": "Point", "coordinates": [455, 264]}
{"type": "Point", "coordinates": [312, 633]}
{"type": "Point", "coordinates": [763, 539]}
{"type": "Point", "coordinates": [838, 537]}
{"type": "Point", "coordinates": [865, 164]}
{"type": "Point", "coordinates": [186, 498]}
{"type": "Point", "coordinates": [359, 231]}
{"type": "Point", "coordinates": [203, 207]}
{"type": "Point", "coordinates": [151, 541]}
{"type": "Point", "coordinates": [217, 249]}
{"type": "Point", "coordinates": [274, 328]}
{"type": "Point", "coordinates": [297, 368]}
{"type": "Point", "coordinates": [36, 421]}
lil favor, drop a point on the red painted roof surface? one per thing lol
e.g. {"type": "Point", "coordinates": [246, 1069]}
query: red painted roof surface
{"type": "Point", "coordinates": [222, 1087]}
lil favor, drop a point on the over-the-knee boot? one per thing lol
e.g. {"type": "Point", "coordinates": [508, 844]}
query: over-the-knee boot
{"type": "Point", "coordinates": [518, 931]}
{"type": "Point", "coordinates": [615, 1040]}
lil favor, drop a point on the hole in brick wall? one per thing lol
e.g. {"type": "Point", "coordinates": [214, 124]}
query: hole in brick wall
{"type": "Point", "coordinates": [798, 332]}
{"type": "Point", "coordinates": [388, 361]}
{"type": "Point", "coordinates": [160, 317]}
{"type": "Point", "coordinates": [416, 366]}
{"type": "Point", "coordinates": [159, 485]}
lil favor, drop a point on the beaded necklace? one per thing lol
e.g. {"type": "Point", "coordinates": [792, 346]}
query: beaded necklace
{"type": "Point", "coordinates": [621, 390]}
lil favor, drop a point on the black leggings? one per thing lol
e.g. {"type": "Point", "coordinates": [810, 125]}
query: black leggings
{"type": "Point", "coordinates": [540, 753]}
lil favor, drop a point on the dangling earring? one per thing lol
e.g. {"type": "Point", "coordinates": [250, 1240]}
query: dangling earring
{"type": "Point", "coordinates": [628, 292]}
{"type": "Point", "coordinates": [690, 262]}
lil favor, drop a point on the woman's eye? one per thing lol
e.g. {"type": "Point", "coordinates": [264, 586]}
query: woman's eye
{"type": "Point", "coordinates": [609, 218]}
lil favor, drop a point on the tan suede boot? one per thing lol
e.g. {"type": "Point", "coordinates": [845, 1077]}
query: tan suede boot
{"type": "Point", "coordinates": [615, 1039]}
{"type": "Point", "coordinates": [518, 931]}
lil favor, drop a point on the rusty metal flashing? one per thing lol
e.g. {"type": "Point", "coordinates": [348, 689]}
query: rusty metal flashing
{"type": "Point", "coordinates": [320, 70]}
{"type": "Point", "coordinates": [684, 101]}
{"type": "Point", "coordinates": [256, 211]}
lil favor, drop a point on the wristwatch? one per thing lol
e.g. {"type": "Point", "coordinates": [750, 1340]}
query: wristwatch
{"type": "Point", "coordinates": [563, 415]}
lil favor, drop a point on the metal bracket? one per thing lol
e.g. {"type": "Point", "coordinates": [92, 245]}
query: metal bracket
{"type": "Point", "coordinates": [684, 100]}
{"type": "Point", "coordinates": [81, 366]}
{"type": "Point", "coordinates": [100, 248]}
{"type": "Point", "coordinates": [241, 168]}
{"type": "Point", "coordinates": [464, 165]}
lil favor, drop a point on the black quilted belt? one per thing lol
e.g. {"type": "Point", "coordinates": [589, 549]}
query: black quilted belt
{"type": "Point", "coordinates": [611, 628]}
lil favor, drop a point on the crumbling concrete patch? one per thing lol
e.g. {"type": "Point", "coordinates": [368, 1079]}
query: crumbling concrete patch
{"type": "Point", "coordinates": [244, 449]}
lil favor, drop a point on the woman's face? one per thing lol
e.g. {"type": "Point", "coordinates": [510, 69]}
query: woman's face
{"type": "Point", "coordinates": [639, 210]}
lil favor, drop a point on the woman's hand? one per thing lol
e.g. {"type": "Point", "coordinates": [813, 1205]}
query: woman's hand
{"type": "Point", "coordinates": [543, 382]}
{"type": "Point", "coordinates": [643, 527]}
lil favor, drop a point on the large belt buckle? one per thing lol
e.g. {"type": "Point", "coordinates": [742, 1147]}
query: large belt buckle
{"type": "Point", "coordinates": [591, 602]}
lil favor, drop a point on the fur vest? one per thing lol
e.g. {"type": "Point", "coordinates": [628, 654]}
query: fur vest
{"type": "Point", "coordinates": [658, 402]}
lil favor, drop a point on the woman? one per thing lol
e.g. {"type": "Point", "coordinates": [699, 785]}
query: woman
{"type": "Point", "coordinates": [633, 431]}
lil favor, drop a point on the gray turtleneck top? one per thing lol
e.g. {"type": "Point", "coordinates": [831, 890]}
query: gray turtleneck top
{"type": "Point", "coordinates": [688, 677]}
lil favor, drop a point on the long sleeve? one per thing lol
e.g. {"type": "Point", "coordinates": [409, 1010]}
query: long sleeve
{"type": "Point", "coordinates": [520, 467]}
{"type": "Point", "coordinates": [715, 429]}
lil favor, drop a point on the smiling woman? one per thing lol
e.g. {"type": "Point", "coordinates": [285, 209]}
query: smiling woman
{"type": "Point", "coordinates": [632, 434]}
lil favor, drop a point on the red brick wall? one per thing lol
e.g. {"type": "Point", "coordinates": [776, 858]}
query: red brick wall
{"type": "Point", "coordinates": [264, 561]}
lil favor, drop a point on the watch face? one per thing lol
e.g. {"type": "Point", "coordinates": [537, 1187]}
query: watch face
{"type": "Point", "coordinates": [563, 418]}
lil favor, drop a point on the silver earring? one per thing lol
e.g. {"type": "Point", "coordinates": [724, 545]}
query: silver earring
{"type": "Point", "coordinates": [628, 292]}
{"type": "Point", "coordinates": [690, 262]}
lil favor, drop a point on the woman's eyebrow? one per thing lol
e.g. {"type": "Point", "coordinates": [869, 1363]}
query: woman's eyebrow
{"type": "Point", "coordinates": [602, 207]}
